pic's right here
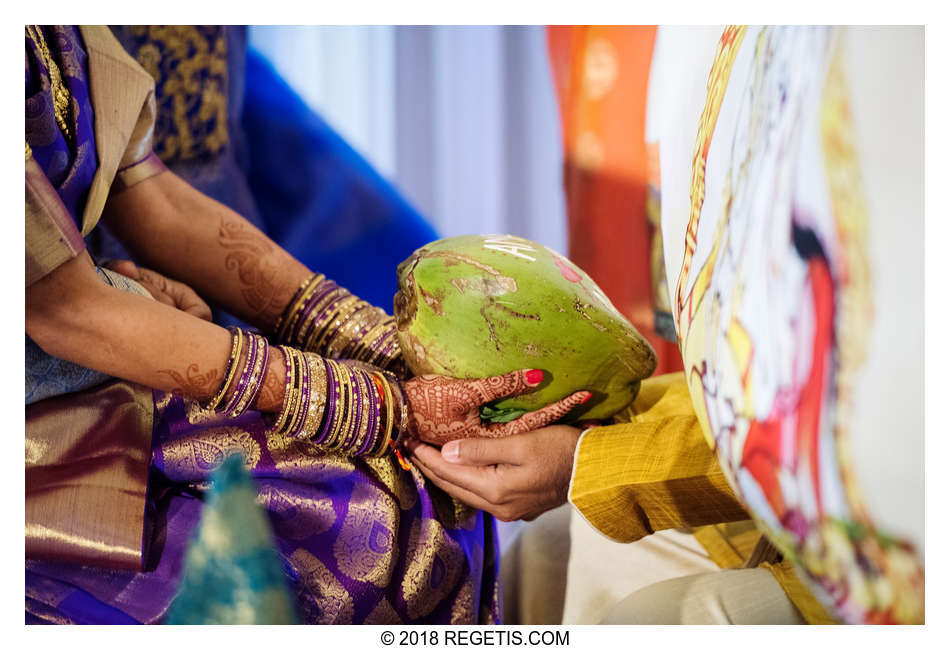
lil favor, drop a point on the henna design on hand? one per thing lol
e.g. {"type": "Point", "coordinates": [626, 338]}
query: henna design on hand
{"type": "Point", "coordinates": [194, 383]}
{"type": "Point", "coordinates": [250, 255]}
{"type": "Point", "coordinates": [443, 409]}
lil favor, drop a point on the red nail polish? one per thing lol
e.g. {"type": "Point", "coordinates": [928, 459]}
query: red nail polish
{"type": "Point", "coordinates": [534, 376]}
{"type": "Point", "coordinates": [586, 399]}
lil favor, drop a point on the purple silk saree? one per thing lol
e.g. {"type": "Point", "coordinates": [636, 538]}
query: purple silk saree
{"type": "Point", "coordinates": [363, 541]}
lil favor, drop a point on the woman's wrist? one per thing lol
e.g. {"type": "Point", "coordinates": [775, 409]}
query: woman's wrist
{"type": "Point", "coordinates": [326, 319]}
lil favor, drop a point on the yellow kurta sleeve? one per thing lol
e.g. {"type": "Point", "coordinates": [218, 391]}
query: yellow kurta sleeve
{"type": "Point", "coordinates": [654, 472]}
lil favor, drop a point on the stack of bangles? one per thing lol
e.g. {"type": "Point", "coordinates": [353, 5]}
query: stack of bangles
{"type": "Point", "coordinates": [252, 351]}
{"type": "Point", "coordinates": [325, 318]}
{"type": "Point", "coordinates": [349, 409]}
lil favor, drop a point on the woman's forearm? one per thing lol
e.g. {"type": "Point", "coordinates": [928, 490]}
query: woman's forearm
{"type": "Point", "coordinates": [73, 315]}
{"type": "Point", "coordinates": [171, 227]}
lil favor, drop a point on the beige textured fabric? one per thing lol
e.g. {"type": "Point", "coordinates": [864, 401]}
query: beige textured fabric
{"type": "Point", "coordinates": [561, 570]}
{"type": "Point", "coordinates": [728, 597]}
{"type": "Point", "coordinates": [602, 572]}
{"type": "Point", "coordinates": [123, 98]}
{"type": "Point", "coordinates": [533, 571]}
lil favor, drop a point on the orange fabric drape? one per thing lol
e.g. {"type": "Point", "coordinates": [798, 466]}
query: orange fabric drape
{"type": "Point", "coordinates": [601, 75]}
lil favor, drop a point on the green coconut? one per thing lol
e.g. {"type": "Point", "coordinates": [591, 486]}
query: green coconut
{"type": "Point", "coordinates": [482, 305]}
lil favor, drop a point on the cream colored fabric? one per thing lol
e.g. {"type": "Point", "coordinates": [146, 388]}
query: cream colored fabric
{"type": "Point", "coordinates": [561, 570]}
{"type": "Point", "coordinates": [601, 572]}
{"type": "Point", "coordinates": [534, 570]}
{"type": "Point", "coordinates": [728, 597]}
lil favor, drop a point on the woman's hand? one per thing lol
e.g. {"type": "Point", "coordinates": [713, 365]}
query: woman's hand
{"type": "Point", "coordinates": [167, 291]}
{"type": "Point", "coordinates": [443, 409]}
{"type": "Point", "coordinates": [512, 478]}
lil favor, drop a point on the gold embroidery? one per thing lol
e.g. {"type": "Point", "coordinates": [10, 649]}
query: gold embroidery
{"type": "Point", "coordinates": [463, 608]}
{"type": "Point", "coordinates": [366, 549]}
{"type": "Point", "coordinates": [205, 450]}
{"type": "Point", "coordinates": [299, 515]}
{"type": "Point", "coordinates": [383, 614]}
{"type": "Point", "coordinates": [61, 96]}
{"type": "Point", "coordinates": [296, 459]}
{"type": "Point", "coordinates": [452, 514]}
{"type": "Point", "coordinates": [325, 600]}
{"type": "Point", "coordinates": [190, 68]}
{"type": "Point", "coordinates": [434, 562]}
{"type": "Point", "coordinates": [395, 479]}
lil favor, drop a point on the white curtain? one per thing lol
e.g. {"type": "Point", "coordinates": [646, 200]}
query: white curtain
{"type": "Point", "coordinates": [463, 120]}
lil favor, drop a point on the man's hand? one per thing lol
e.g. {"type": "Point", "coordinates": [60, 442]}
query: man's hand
{"type": "Point", "coordinates": [518, 477]}
{"type": "Point", "coordinates": [164, 290]}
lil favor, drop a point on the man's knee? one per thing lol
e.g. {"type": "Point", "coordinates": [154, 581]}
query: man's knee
{"type": "Point", "coordinates": [736, 596]}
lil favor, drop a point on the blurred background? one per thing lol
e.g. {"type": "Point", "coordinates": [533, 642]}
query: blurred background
{"type": "Point", "coordinates": [463, 120]}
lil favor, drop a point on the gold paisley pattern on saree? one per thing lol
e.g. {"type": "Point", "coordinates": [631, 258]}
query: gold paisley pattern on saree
{"type": "Point", "coordinates": [300, 460]}
{"type": "Point", "coordinates": [398, 481]}
{"type": "Point", "coordinates": [324, 598]}
{"type": "Point", "coordinates": [463, 607]}
{"type": "Point", "coordinates": [383, 614]}
{"type": "Point", "coordinates": [299, 515]}
{"type": "Point", "coordinates": [487, 609]}
{"type": "Point", "coordinates": [452, 513]}
{"type": "Point", "coordinates": [433, 566]}
{"type": "Point", "coordinates": [190, 68]}
{"type": "Point", "coordinates": [202, 452]}
{"type": "Point", "coordinates": [365, 548]}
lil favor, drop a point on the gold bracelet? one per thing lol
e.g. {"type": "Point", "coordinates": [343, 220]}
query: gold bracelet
{"type": "Point", "coordinates": [316, 317]}
{"type": "Point", "coordinates": [323, 323]}
{"type": "Point", "coordinates": [294, 310]}
{"type": "Point", "coordinates": [342, 311]}
{"type": "Point", "coordinates": [237, 338]}
{"type": "Point", "coordinates": [285, 407]}
{"type": "Point", "coordinates": [386, 434]}
{"type": "Point", "coordinates": [318, 396]}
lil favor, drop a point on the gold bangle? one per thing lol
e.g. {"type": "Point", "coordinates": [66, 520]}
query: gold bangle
{"type": "Point", "coordinates": [281, 419]}
{"type": "Point", "coordinates": [318, 396]}
{"type": "Point", "coordinates": [291, 308]}
{"type": "Point", "coordinates": [300, 414]}
{"type": "Point", "coordinates": [341, 405]}
{"type": "Point", "coordinates": [322, 324]}
{"type": "Point", "coordinates": [316, 317]}
{"type": "Point", "coordinates": [237, 340]}
{"type": "Point", "coordinates": [295, 308]}
{"type": "Point", "coordinates": [343, 309]}
{"type": "Point", "coordinates": [386, 434]}
{"type": "Point", "coordinates": [365, 350]}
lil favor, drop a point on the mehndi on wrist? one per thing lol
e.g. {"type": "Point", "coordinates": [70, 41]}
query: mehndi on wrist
{"type": "Point", "coordinates": [326, 319]}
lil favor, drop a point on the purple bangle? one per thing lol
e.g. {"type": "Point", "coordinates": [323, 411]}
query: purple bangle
{"type": "Point", "coordinates": [357, 409]}
{"type": "Point", "coordinates": [330, 409]}
{"type": "Point", "coordinates": [299, 336]}
{"type": "Point", "coordinates": [230, 410]}
{"type": "Point", "coordinates": [373, 427]}
{"type": "Point", "coordinates": [256, 389]}
{"type": "Point", "coordinates": [323, 322]}
{"type": "Point", "coordinates": [304, 403]}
